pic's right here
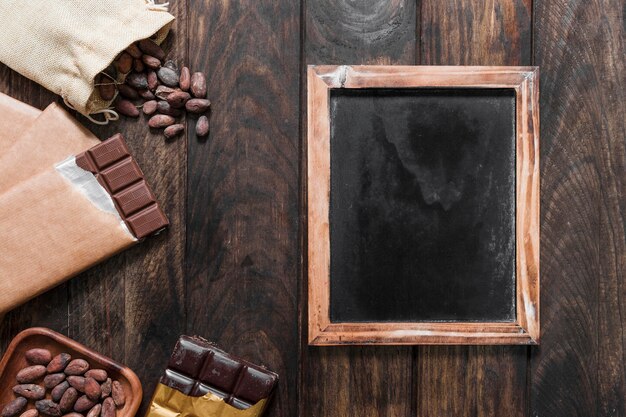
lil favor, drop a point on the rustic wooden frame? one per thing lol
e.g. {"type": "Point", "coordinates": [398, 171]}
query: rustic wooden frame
{"type": "Point", "coordinates": [525, 82]}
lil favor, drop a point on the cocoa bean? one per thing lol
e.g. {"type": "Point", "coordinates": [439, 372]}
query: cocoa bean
{"type": "Point", "coordinates": [168, 76]}
{"type": "Point", "coordinates": [151, 62]}
{"type": "Point", "coordinates": [30, 374]}
{"type": "Point", "coordinates": [134, 50]}
{"type": "Point", "coordinates": [73, 414]}
{"type": "Point", "coordinates": [153, 80]}
{"type": "Point", "coordinates": [106, 388]}
{"type": "Point", "coordinates": [197, 105]}
{"type": "Point", "coordinates": [198, 85]}
{"type": "Point", "coordinates": [30, 413]}
{"type": "Point", "coordinates": [30, 391]}
{"type": "Point", "coordinates": [14, 408]}
{"type": "Point", "coordinates": [58, 391]}
{"type": "Point", "coordinates": [138, 65]}
{"type": "Point", "coordinates": [146, 94]}
{"type": "Point", "coordinates": [137, 80]}
{"type": "Point", "coordinates": [151, 48]}
{"type": "Point", "coordinates": [117, 391]}
{"type": "Point", "coordinates": [202, 126]}
{"type": "Point", "coordinates": [106, 88]}
{"type": "Point", "coordinates": [126, 108]}
{"type": "Point", "coordinates": [149, 107]}
{"type": "Point", "coordinates": [178, 99]}
{"type": "Point", "coordinates": [185, 79]}
{"type": "Point", "coordinates": [68, 399]}
{"type": "Point", "coordinates": [124, 63]}
{"type": "Point", "coordinates": [38, 356]}
{"type": "Point", "coordinates": [52, 380]}
{"type": "Point", "coordinates": [170, 132]}
{"type": "Point", "coordinates": [111, 71]}
{"type": "Point", "coordinates": [48, 407]}
{"type": "Point", "coordinates": [108, 408]}
{"type": "Point", "coordinates": [99, 375]}
{"type": "Point", "coordinates": [160, 120]}
{"type": "Point", "coordinates": [83, 404]}
{"type": "Point", "coordinates": [77, 367]}
{"type": "Point", "coordinates": [164, 107]}
{"type": "Point", "coordinates": [163, 91]}
{"type": "Point", "coordinates": [95, 411]}
{"type": "Point", "coordinates": [128, 92]}
{"type": "Point", "coordinates": [92, 389]}
{"type": "Point", "coordinates": [58, 363]}
{"type": "Point", "coordinates": [77, 382]}
{"type": "Point", "coordinates": [172, 65]}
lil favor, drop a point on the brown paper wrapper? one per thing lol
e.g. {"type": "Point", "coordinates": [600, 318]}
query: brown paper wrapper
{"type": "Point", "coordinates": [15, 118]}
{"type": "Point", "coordinates": [169, 402]}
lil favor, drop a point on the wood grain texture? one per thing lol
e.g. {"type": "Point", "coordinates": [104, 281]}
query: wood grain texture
{"type": "Point", "coordinates": [473, 32]}
{"type": "Point", "coordinates": [365, 32]}
{"type": "Point", "coordinates": [242, 246]}
{"type": "Point", "coordinates": [579, 369]}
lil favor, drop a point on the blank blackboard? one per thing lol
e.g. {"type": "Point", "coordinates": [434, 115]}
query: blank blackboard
{"type": "Point", "coordinates": [422, 205]}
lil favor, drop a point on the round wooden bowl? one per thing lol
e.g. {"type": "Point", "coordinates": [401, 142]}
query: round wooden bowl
{"type": "Point", "coordinates": [39, 337]}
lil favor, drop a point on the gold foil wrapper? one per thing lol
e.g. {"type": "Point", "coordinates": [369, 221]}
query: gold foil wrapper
{"type": "Point", "coordinates": [169, 402]}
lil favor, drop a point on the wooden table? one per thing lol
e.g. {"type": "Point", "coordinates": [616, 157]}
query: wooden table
{"type": "Point", "coordinates": [230, 268]}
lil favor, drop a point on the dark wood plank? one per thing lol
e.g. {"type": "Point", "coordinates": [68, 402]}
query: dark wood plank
{"type": "Point", "coordinates": [363, 381]}
{"type": "Point", "coordinates": [583, 350]}
{"type": "Point", "coordinates": [242, 242]}
{"type": "Point", "coordinates": [477, 380]}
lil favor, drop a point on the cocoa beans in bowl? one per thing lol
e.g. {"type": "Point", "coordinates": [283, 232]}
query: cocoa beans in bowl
{"type": "Point", "coordinates": [47, 374]}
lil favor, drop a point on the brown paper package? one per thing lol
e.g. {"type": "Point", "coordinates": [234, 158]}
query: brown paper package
{"type": "Point", "coordinates": [49, 229]}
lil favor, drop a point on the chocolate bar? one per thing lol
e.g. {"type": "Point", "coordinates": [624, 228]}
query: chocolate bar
{"type": "Point", "coordinates": [116, 170]}
{"type": "Point", "coordinates": [197, 367]}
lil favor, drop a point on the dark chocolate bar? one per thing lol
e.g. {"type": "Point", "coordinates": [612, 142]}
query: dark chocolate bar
{"type": "Point", "coordinates": [198, 367]}
{"type": "Point", "coordinates": [116, 170]}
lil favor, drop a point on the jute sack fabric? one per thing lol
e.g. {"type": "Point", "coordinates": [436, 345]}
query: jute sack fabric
{"type": "Point", "coordinates": [64, 44]}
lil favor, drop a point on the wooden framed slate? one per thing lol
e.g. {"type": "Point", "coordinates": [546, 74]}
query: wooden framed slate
{"type": "Point", "coordinates": [423, 205]}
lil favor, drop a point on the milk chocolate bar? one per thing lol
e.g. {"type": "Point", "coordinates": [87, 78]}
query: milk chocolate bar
{"type": "Point", "coordinates": [197, 367]}
{"type": "Point", "coordinates": [116, 170]}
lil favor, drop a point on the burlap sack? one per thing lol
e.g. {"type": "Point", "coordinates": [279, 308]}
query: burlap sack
{"type": "Point", "coordinates": [64, 44]}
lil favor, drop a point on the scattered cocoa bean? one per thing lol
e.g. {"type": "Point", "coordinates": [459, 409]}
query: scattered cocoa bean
{"type": "Point", "coordinates": [153, 80]}
{"type": "Point", "coordinates": [92, 389]}
{"type": "Point", "coordinates": [128, 92]}
{"type": "Point", "coordinates": [198, 85]}
{"type": "Point", "coordinates": [73, 414]}
{"type": "Point", "coordinates": [30, 413]}
{"type": "Point", "coordinates": [151, 62]}
{"type": "Point", "coordinates": [185, 79]}
{"type": "Point", "coordinates": [177, 99]}
{"type": "Point", "coordinates": [151, 48]}
{"type": "Point", "coordinates": [76, 367]}
{"type": "Point", "coordinates": [202, 126]}
{"type": "Point", "coordinates": [164, 107]}
{"type": "Point", "coordinates": [134, 51]}
{"type": "Point", "coordinates": [77, 382]}
{"type": "Point", "coordinates": [197, 105]}
{"type": "Point", "coordinates": [58, 391]}
{"type": "Point", "coordinates": [163, 91]}
{"type": "Point", "coordinates": [108, 408]}
{"type": "Point", "coordinates": [170, 132]}
{"type": "Point", "coordinates": [149, 107]}
{"type": "Point", "coordinates": [137, 80]}
{"type": "Point", "coordinates": [99, 375]}
{"type": "Point", "coordinates": [38, 356]}
{"type": "Point", "coordinates": [69, 399]}
{"type": "Point", "coordinates": [95, 411]}
{"type": "Point", "coordinates": [160, 120]}
{"type": "Point", "coordinates": [30, 374]}
{"type": "Point", "coordinates": [138, 65]}
{"type": "Point", "coordinates": [52, 380]}
{"type": "Point", "coordinates": [58, 363]}
{"type": "Point", "coordinates": [146, 94]}
{"type": "Point", "coordinates": [83, 404]}
{"type": "Point", "coordinates": [48, 407]}
{"type": "Point", "coordinates": [168, 76]}
{"type": "Point", "coordinates": [15, 407]}
{"type": "Point", "coordinates": [126, 108]}
{"type": "Point", "coordinates": [30, 391]}
{"type": "Point", "coordinates": [106, 388]}
{"type": "Point", "coordinates": [124, 63]}
{"type": "Point", "coordinates": [106, 88]}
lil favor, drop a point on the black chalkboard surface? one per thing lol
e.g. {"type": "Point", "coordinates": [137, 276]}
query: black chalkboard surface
{"type": "Point", "coordinates": [422, 205]}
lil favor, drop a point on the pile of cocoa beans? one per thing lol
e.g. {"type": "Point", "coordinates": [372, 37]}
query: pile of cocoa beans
{"type": "Point", "coordinates": [163, 90]}
{"type": "Point", "coordinates": [62, 386]}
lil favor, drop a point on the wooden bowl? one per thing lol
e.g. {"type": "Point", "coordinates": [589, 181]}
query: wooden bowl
{"type": "Point", "coordinates": [14, 360]}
